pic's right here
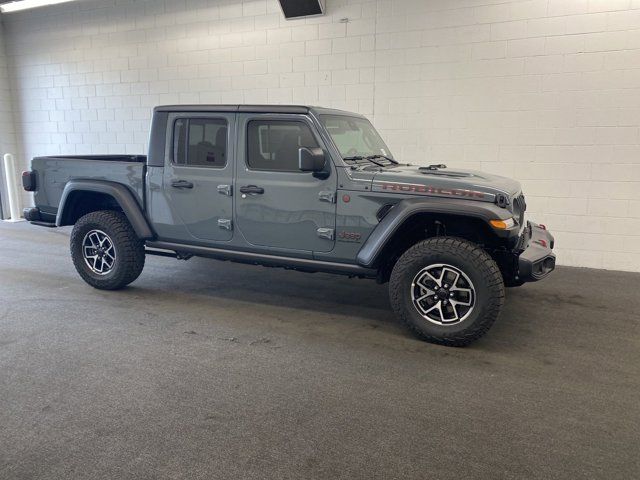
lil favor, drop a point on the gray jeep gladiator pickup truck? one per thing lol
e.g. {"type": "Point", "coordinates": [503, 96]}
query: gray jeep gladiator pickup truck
{"type": "Point", "coordinates": [304, 188]}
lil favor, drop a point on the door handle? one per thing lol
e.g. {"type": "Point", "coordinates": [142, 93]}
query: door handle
{"type": "Point", "coordinates": [181, 184]}
{"type": "Point", "coordinates": [252, 190]}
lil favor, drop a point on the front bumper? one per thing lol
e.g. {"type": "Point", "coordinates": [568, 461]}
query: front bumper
{"type": "Point", "coordinates": [536, 259]}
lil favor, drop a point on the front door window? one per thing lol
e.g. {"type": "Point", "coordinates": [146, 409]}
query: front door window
{"type": "Point", "coordinates": [273, 145]}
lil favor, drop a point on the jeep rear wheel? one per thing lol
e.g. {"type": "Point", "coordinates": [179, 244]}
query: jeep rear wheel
{"type": "Point", "coordinates": [447, 290]}
{"type": "Point", "coordinates": [106, 251]}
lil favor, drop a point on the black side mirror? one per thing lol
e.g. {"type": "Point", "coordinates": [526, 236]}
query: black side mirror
{"type": "Point", "coordinates": [311, 159]}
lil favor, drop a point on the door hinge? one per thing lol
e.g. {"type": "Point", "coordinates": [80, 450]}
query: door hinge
{"type": "Point", "coordinates": [328, 233]}
{"type": "Point", "coordinates": [225, 190]}
{"type": "Point", "coordinates": [225, 224]}
{"type": "Point", "coordinates": [327, 196]}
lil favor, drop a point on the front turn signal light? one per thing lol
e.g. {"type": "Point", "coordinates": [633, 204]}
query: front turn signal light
{"type": "Point", "coordinates": [503, 224]}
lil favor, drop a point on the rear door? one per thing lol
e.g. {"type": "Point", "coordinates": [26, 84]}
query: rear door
{"type": "Point", "coordinates": [198, 179]}
{"type": "Point", "coordinates": [277, 205]}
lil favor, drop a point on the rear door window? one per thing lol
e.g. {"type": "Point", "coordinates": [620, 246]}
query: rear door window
{"type": "Point", "coordinates": [200, 142]}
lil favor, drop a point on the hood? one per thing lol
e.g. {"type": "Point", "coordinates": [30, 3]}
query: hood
{"type": "Point", "coordinates": [470, 184]}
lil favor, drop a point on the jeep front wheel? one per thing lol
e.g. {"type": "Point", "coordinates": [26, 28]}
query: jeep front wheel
{"type": "Point", "coordinates": [106, 251]}
{"type": "Point", "coordinates": [447, 290]}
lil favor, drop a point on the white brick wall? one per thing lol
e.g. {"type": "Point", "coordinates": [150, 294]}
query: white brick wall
{"type": "Point", "coordinates": [546, 91]}
{"type": "Point", "coordinates": [8, 142]}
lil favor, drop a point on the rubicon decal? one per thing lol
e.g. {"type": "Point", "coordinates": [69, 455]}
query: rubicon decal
{"type": "Point", "coordinates": [428, 189]}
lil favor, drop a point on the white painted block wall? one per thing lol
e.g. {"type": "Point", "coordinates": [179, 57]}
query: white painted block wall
{"type": "Point", "coordinates": [546, 91]}
{"type": "Point", "coordinates": [7, 126]}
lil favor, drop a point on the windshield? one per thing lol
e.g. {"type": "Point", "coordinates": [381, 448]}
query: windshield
{"type": "Point", "coordinates": [355, 136]}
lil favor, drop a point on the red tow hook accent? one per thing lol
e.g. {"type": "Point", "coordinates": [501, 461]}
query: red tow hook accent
{"type": "Point", "coordinates": [542, 227]}
{"type": "Point", "coordinates": [542, 242]}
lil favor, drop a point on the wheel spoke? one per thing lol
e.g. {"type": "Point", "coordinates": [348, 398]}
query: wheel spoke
{"type": "Point", "coordinates": [448, 270]}
{"type": "Point", "coordinates": [454, 307]}
{"type": "Point", "coordinates": [438, 307]}
{"type": "Point", "coordinates": [464, 290]}
{"type": "Point", "coordinates": [426, 295]}
{"type": "Point", "coordinates": [422, 285]}
{"type": "Point", "coordinates": [438, 281]}
{"type": "Point", "coordinates": [466, 303]}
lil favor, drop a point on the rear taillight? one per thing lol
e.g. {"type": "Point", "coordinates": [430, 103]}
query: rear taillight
{"type": "Point", "coordinates": [29, 181]}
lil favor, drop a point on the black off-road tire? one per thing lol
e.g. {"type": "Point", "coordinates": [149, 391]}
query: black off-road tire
{"type": "Point", "coordinates": [473, 261]}
{"type": "Point", "coordinates": [129, 248]}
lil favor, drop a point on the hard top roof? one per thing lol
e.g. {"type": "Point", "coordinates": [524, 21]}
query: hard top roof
{"type": "Point", "coordinates": [298, 109]}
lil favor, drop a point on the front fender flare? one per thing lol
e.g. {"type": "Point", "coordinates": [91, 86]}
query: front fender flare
{"type": "Point", "coordinates": [369, 254]}
{"type": "Point", "coordinates": [118, 192]}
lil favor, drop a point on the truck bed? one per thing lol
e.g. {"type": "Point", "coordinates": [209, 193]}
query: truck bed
{"type": "Point", "coordinates": [53, 173]}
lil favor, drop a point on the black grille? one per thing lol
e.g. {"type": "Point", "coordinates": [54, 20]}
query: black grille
{"type": "Point", "coordinates": [519, 207]}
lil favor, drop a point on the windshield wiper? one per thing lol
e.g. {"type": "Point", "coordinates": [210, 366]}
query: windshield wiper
{"type": "Point", "coordinates": [360, 157]}
{"type": "Point", "coordinates": [395, 162]}
{"type": "Point", "coordinates": [371, 158]}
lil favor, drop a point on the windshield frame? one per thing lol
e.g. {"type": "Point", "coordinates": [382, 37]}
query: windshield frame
{"type": "Point", "coordinates": [384, 149]}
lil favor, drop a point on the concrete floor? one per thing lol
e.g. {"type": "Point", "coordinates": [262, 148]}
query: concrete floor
{"type": "Point", "coordinates": [212, 370]}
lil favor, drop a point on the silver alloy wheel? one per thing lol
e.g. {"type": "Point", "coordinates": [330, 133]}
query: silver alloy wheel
{"type": "Point", "coordinates": [443, 294]}
{"type": "Point", "coordinates": [98, 252]}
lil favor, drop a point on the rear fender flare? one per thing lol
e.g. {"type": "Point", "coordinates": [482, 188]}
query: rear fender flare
{"type": "Point", "coordinates": [369, 254]}
{"type": "Point", "coordinates": [120, 193]}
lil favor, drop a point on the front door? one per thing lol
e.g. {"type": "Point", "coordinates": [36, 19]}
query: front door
{"type": "Point", "coordinates": [277, 205]}
{"type": "Point", "coordinates": [198, 178]}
